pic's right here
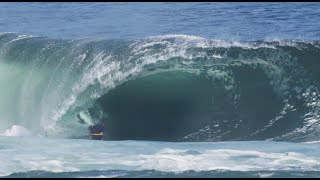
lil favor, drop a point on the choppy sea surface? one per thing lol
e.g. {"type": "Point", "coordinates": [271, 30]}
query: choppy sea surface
{"type": "Point", "coordinates": [190, 89]}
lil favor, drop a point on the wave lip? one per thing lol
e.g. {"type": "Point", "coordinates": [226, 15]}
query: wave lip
{"type": "Point", "coordinates": [57, 79]}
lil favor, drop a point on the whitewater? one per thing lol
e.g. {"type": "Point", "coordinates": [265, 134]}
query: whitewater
{"type": "Point", "coordinates": [180, 102]}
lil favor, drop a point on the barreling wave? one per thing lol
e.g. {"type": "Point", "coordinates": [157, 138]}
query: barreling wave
{"type": "Point", "coordinates": [173, 88]}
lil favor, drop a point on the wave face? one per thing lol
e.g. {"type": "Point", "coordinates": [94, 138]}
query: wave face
{"type": "Point", "coordinates": [173, 88]}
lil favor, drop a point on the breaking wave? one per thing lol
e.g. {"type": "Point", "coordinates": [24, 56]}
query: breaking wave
{"type": "Point", "coordinates": [172, 87]}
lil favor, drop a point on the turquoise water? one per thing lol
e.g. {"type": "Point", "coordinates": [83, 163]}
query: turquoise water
{"type": "Point", "coordinates": [44, 157]}
{"type": "Point", "coordinates": [191, 89]}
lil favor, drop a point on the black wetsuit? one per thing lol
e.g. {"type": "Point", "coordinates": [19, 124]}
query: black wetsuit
{"type": "Point", "coordinates": [96, 130]}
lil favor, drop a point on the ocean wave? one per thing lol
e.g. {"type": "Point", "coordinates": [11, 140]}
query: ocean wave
{"type": "Point", "coordinates": [171, 87]}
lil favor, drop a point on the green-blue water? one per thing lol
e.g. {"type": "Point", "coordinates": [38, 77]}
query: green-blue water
{"type": "Point", "coordinates": [190, 89]}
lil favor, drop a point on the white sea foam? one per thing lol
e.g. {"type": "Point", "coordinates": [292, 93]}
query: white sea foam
{"type": "Point", "coordinates": [265, 175]}
{"type": "Point", "coordinates": [312, 142]}
{"type": "Point", "coordinates": [16, 130]}
{"type": "Point", "coordinates": [20, 37]}
{"type": "Point", "coordinates": [62, 155]}
{"type": "Point", "coordinates": [225, 159]}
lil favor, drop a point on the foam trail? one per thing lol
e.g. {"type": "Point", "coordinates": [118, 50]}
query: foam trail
{"type": "Point", "coordinates": [46, 155]}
